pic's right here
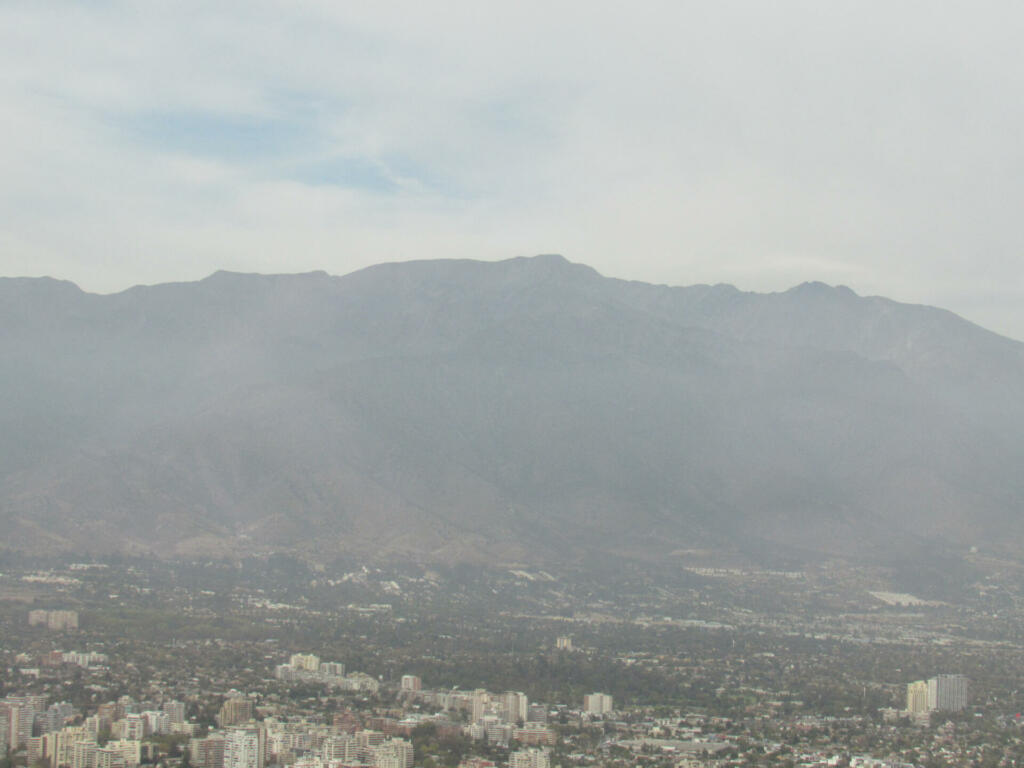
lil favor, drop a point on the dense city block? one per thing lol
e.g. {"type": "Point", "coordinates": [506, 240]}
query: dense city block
{"type": "Point", "coordinates": [278, 661]}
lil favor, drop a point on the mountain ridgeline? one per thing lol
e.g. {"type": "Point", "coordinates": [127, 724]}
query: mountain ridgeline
{"type": "Point", "coordinates": [523, 410]}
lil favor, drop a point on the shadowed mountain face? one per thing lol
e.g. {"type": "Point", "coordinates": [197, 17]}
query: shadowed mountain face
{"type": "Point", "coordinates": [522, 410]}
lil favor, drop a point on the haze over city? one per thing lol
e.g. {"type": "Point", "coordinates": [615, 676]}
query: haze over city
{"type": "Point", "coordinates": [522, 385]}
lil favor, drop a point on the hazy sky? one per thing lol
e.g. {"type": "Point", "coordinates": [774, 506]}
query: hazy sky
{"type": "Point", "coordinates": [874, 144]}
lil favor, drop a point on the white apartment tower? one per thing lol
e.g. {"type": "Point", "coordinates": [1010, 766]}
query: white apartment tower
{"type": "Point", "coordinates": [411, 683]}
{"type": "Point", "coordinates": [516, 706]}
{"type": "Point", "coordinates": [243, 748]}
{"type": "Point", "coordinates": [917, 697]}
{"type": "Point", "coordinates": [306, 661]}
{"type": "Point", "coordinates": [597, 704]}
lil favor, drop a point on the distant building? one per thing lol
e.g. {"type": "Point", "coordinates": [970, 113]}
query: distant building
{"type": "Point", "coordinates": [535, 735]}
{"type": "Point", "coordinates": [529, 758]}
{"type": "Point", "coordinates": [478, 703]}
{"type": "Point", "coordinates": [105, 757]}
{"type": "Point", "coordinates": [129, 750]}
{"type": "Point", "coordinates": [536, 713]}
{"type": "Point", "coordinates": [243, 748]}
{"type": "Point", "coordinates": [208, 752]}
{"type": "Point", "coordinates": [60, 747]}
{"type": "Point", "coordinates": [83, 754]}
{"type": "Point", "coordinates": [516, 706]}
{"type": "Point", "coordinates": [597, 704]}
{"type": "Point", "coordinates": [943, 692]}
{"type": "Point", "coordinates": [175, 711]}
{"type": "Point", "coordinates": [497, 732]}
{"type": "Point", "coordinates": [411, 683]}
{"type": "Point", "coordinates": [126, 705]}
{"type": "Point", "coordinates": [34, 751]}
{"type": "Point", "coordinates": [18, 714]}
{"type": "Point", "coordinates": [133, 727]}
{"type": "Point", "coordinates": [157, 722]}
{"type": "Point", "coordinates": [307, 662]}
{"type": "Point", "coordinates": [917, 697]}
{"type": "Point", "coordinates": [563, 642]}
{"type": "Point", "coordinates": [947, 692]}
{"type": "Point", "coordinates": [235, 711]}
{"type": "Point", "coordinates": [329, 668]}
{"type": "Point", "coordinates": [341, 749]}
{"type": "Point", "coordinates": [367, 739]}
{"type": "Point", "coordinates": [346, 721]}
{"type": "Point", "coordinates": [10, 716]}
{"type": "Point", "coordinates": [55, 620]}
{"type": "Point", "coordinates": [85, 659]}
{"type": "Point", "coordinates": [393, 753]}
{"type": "Point", "coordinates": [308, 667]}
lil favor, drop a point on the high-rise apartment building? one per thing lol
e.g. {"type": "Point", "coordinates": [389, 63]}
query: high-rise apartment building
{"type": "Point", "coordinates": [133, 727]}
{"type": "Point", "coordinates": [516, 706]}
{"type": "Point", "coordinates": [8, 728]}
{"type": "Point", "coordinates": [243, 747]}
{"type": "Point", "coordinates": [597, 703]}
{"type": "Point", "coordinates": [479, 700]}
{"type": "Point", "coordinates": [306, 661]}
{"type": "Point", "coordinates": [411, 683]}
{"type": "Point", "coordinates": [235, 711]}
{"type": "Point", "coordinates": [947, 692]}
{"type": "Point", "coordinates": [943, 692]}
{"type": "Point", "coordinates": [63, 752]}
{"type": "Point", "coordinates": [20, 716]}
{"type": "Point", "coordinates": [83, 754]}
{"type": "Point", "coordinates": [175, 711]}
{"type": "Point", "coordinates": [208, 752]}
{"type": "Point", "coordinates": [917, 697]}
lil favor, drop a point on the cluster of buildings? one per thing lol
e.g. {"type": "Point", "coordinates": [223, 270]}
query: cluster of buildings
{"type": "Point", "coordinates": [55, 620]}
{"type": "Point", "coordinates": [307, 667]}
{"type": "Point", "coordinates": [21, 717]}
{"type": "Point", "coordinates": [941, 693]}
{"type": "Point", "coordinates": [87, 659]}
{"type": "Point", "coordinates": [45, 733]}
{"type": "Point", "coordinates": [494, 718]}
{"type": "Point", "coordinates": [345, 743]}
{"type": "Point", "coordinates": [78, 658]}
{"type": "Point", "coordinates": [498, 719]}
{"type": "Point", "coordinates": [299, 743]}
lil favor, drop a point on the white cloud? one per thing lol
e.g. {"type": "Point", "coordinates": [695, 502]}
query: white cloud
{"type": "Point", "coordinates": [762, 144]}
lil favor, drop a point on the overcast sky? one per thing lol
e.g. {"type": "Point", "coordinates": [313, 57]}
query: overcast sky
{"type": "Point", "coordinates": [874, 144]}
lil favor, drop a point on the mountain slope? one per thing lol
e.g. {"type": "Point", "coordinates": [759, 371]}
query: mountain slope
{"type": "Point", "coordinates": [526, 409]}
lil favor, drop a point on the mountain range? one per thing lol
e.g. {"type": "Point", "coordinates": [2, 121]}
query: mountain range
{"type": "Point", "coordinates": [526, 410]}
